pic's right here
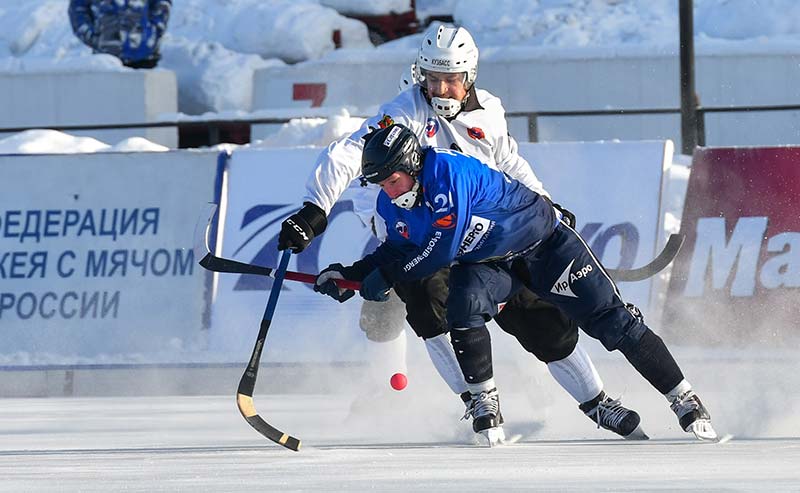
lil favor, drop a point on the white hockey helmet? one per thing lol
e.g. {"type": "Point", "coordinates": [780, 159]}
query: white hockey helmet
{"type": "Point", "coordinates": [450, 49]}
{"type": "Point", "coordinates": [407, 79]}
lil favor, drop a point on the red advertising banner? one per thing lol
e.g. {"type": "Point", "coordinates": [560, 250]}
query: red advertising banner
{"type": "Point", "coordinates": [737, 279]}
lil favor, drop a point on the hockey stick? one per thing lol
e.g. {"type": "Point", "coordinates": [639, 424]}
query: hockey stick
{"type": "Point", "coordinates": [658, 264]}
{"type": "Point", "coordinates": [218, 264]}
{"type": "Point", "coordinates": [209, 261]}
{"type": "Point", "coordinates": [244, 394]}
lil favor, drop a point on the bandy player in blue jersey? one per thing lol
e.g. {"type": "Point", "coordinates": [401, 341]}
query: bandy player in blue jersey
{"type": "Point", "coordinates": [440, 102]}
{"type": "Point", "coordinates": [442, 207]}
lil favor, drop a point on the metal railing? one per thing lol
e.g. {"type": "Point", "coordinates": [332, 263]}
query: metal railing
{"type": "Point", "coordinates": [213, 129]}
{"type": "Point", "coordinates": [533, 124]}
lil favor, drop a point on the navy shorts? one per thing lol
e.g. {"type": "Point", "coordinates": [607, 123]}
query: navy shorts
{"type": "Point", "coordinates": [539, 327]}
{"type": "Point", "coordinates": [562, 271]}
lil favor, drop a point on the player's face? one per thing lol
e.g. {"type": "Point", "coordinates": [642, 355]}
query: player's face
{"type": "Point", "coordinates": [397, 184]}
{"type": "Point", "coordinates": [444, 85]}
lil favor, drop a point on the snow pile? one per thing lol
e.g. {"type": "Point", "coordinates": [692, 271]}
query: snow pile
{"type": "Point", "coordinates": [40, 29]}
{"type": "Point", "coordinates": [368, 7]}
{"type": "Point", "coordinates": [291, 30]}
{"type": "Point", "coordinates": [53, 142]}
{"type": "Point", "coordinates": [312, 131]}
{"type": "Point", "coordinates": [611, 23]}
{"type": "Point", "coordinates": [210, 76]}
{"type": "Point", "coordinates": [214, 46]}
{"type": "Point", "coordinates": [298, 132]}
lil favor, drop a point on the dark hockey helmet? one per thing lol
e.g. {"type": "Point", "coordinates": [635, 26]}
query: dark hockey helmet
{"type": "Point", "coordinates": [390, 149]}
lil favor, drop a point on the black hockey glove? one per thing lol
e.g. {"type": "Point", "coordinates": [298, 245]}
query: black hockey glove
{"type": "Point", "coordinates": [325, 283]}
{"type": "Point", "coordinates": [375, 287]}
{"type": "Point", "coordinates": [566, 215]}
{"type": "Point", "coordinates": [300, 228]}
{"type": "Point", "coordinates": [325, 280]}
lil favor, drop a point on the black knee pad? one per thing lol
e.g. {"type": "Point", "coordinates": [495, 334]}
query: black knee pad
{"type": "Point", "coordinates": [473, 349]}
{"type": "Point", "coordinates": [540, 327]}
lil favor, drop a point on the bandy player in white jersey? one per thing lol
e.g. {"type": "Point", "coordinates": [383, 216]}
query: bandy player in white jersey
{"type": "Point", "coordinates": [445, 109]}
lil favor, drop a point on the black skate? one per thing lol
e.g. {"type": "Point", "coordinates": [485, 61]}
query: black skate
{"type": "Point", "coordinates": [466, 397]}
{"type": "Point", "coordinates": [693, 416]}
{"type": "Point", "coordinates": [487, 420]}
{"type": "Point", "coordinates": [613, 416]}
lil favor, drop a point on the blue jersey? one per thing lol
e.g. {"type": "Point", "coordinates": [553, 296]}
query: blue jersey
{"type": "Point", "coordinates": [470, 213]}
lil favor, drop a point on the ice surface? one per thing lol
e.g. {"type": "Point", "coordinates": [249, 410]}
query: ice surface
{"type": "Point", "coordinates": [201, 443]}
{"type": "Point", "coordinates": [383, 440]}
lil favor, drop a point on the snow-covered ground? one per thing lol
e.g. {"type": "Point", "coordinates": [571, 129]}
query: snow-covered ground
{"type": "Point", "coordinates": [215, 45]}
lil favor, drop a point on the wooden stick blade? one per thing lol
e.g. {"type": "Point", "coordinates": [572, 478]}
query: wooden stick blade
{"type": "Point", "coordinates": [248, 410]}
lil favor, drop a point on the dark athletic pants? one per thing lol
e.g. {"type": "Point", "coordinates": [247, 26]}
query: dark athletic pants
{"type": "Point", "coordinates": [541, 328]}
{"type": "Point", "coordinates": [565, 272]}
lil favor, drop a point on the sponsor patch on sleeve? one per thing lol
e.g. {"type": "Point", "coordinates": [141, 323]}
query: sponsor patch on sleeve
{"type": "Point", "coordinates": [386, 121]}
{"type": "Point", "coordinates": [476, 133]}
{"type": "Point", "coordinates": [401, 228]}
{"type": "Point", "coordinates": [476, 234]}
{"type": "Point", "coordinates": [431, 127]}
{"type": "Point", "coordinates": [445, 222]}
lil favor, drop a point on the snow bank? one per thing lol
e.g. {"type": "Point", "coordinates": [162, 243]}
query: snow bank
{"type": "Point", "coordinates": [215, 45]}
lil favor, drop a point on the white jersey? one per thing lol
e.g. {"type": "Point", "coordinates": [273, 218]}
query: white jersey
{"type": "Point", "coordinates": [479, 130]}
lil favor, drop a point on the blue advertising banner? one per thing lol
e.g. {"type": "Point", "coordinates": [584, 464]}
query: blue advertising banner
{"type": "Point", "coordinates": [96, 255]}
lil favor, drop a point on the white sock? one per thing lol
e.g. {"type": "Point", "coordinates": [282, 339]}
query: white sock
{"type": "Point", "coordinates": [577, 375]}
{"type": "Point", "coordinates": [387, 358]}
{"type": "Point", "coordinates": [444, 360]}
{"type": "Point", "coordinates": [477, 388]}
{"type": "Point", "coordinates": [679, 389]}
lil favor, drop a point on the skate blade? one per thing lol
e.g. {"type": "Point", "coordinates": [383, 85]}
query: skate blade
{"type": "Point", "coordinates": [637, 434]}
{"type": "Point", "coordinates": [724, 438]}
{"type": "Point", "coordinates": [494, 436]}
{"type": "Point", "coordinates": [703, 430]}
{"type": "Point", "coordinates": [512, 439]}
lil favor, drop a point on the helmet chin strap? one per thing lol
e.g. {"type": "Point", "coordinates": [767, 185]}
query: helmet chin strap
{"type": "Point", "coordinates": [409, 199]}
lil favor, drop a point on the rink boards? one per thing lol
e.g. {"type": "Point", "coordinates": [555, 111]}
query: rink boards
{"type": "Point", "coordinates": [598, 181]}
{"type": "Point", "coordinates": [96, 265]}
